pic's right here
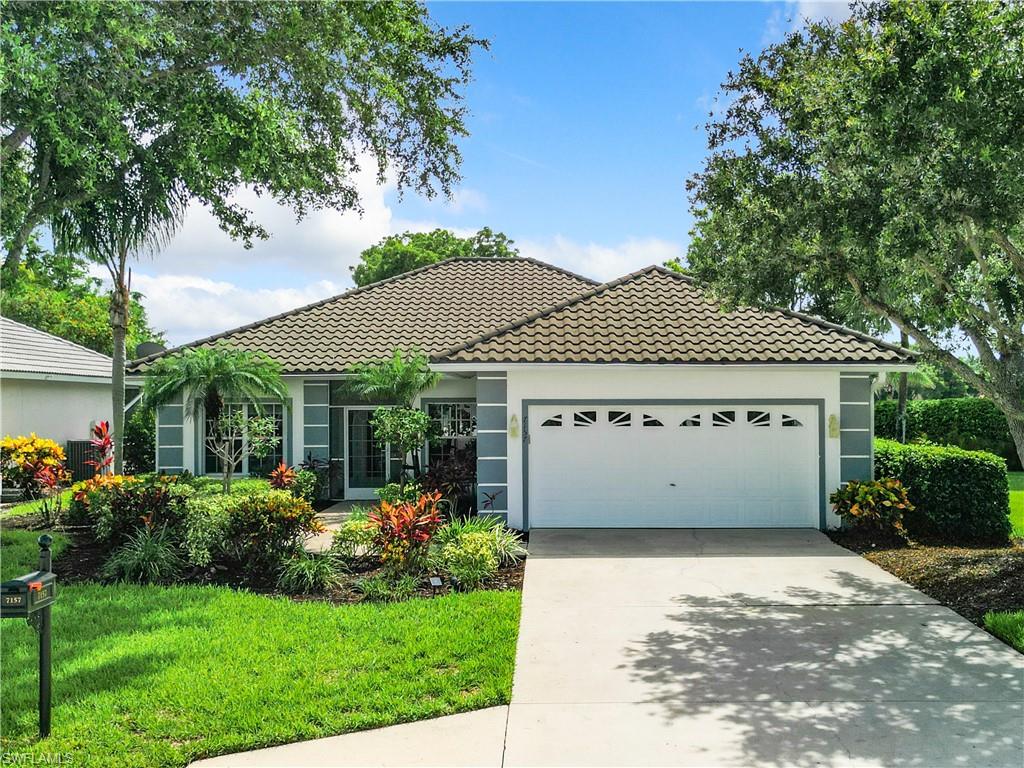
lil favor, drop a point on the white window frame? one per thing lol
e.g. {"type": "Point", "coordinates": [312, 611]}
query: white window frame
{"type": "Point", "coordinates": [244, 470]}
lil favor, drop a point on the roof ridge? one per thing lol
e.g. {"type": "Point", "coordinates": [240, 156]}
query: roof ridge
{"type": "Point", "coordinates": [347, 293]}
{"type": "Point", "coordinates": [803, 316]}
{"type": "Point", "coordinates": [59, 338]}
{"type": "Point", "coordinates": [597, 289]}
{"type": "Point", "coordinates": [689, 280]}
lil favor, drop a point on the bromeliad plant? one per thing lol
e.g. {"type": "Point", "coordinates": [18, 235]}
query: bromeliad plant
{"type": "Point", "coordinates": [875, 505]}
{"type": "Point", "coordinates": [404, 531]}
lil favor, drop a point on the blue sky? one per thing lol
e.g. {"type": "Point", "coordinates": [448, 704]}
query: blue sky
{"type": "Point", "coordinates": [585, 121]}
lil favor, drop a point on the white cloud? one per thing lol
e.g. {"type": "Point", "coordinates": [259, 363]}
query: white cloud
{"type": "Point", "coordinates": [789, 16]}
{"type": "Point", "coordinates": [602, 262]}
{"type": "Point", "coordinates": [325, 242]}
{"type": "Point", "coordinates": [190, 307]}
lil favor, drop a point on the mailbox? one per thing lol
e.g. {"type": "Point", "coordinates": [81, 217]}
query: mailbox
{"type": "Point", "coordinates": [23, 596]}
{"type": "Point", "coordinates": [31, 597]}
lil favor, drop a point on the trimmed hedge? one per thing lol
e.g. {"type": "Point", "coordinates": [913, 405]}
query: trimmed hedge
{"type": "Point", "coordinates": [960, 496]}
{"type": "Point", "coordinates": [972, 423]}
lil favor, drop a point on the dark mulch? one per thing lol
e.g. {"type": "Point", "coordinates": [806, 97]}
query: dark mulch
{"type": "Point", "coordinates": [970, 580]}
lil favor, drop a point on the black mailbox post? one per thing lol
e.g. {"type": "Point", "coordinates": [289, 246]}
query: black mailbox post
{"type": "Point", "coordinates": [30, 597]}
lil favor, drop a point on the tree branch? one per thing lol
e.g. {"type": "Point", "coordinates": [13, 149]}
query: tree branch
{"type": "Point", "coordinates": [928, 345]}
{"type": "Point", "coordinates": [1012, 251]}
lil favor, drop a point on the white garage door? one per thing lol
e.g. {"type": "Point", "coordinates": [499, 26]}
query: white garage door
{"type": "Point", "coordinates": [648, 466]}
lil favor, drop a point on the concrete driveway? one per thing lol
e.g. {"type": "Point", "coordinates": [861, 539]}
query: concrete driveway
{"type": "Point", "coordinates": [739, 647]}
{"type": "Point", "coordinates": [719, 648]}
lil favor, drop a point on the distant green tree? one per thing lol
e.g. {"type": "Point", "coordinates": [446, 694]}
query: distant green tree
{"type": "Point", "coordinates": [397, 254]}
{"type": "Point", "coordinates": [872, 172]}
{"type": "Point", "coordinates": [56, 295]}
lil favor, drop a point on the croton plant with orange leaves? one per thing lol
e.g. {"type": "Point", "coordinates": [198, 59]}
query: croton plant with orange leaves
{"type": "Point", "coordinates": [404, 530]}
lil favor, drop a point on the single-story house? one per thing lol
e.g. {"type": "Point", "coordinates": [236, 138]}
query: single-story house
{"type": "Point", "coordinates": [633, 403]}
{"type": "Point", "coordinates": [49, 385]}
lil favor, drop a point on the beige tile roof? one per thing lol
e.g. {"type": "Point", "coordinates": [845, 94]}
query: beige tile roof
{"type": "Point", "coordinates": [24, 349]}
{"type": "Point", "coordinates": [659, 316]}
{"type": "Point", "coordinates": [432, 309]}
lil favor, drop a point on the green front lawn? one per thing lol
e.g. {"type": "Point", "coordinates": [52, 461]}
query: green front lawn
{"type": "Point", "coordinates": [1007, 625]}
{"type": "Point", "coordinates": [1017, 503]}
{"type": "Point", "coordinates": [160, 676]}
{"type": "Point", "coordinates": [31, 507]}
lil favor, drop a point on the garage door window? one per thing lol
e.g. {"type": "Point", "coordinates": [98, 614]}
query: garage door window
{"type": "Point", "coordinates": [759, 418]}
{"type": "Point", "coordinates": [554, 421]}
{"type": "Point", "coordinates": [693, 421]}
{"type": "Point", "coordinates": [650, 421]}
{"type": "Point", "coordinates": [789, 421]}
{"type": "Point", "coordinates": [723, 418]}
{"type": "Point", "coordinates": [620, 418]}
{"type": "Point", "coordinates": [584, 418]}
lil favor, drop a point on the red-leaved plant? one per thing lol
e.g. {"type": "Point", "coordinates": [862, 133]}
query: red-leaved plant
{"type": "Point", "coordinates": [102, 442]}
{"type": "Point", "coordinates": [282, 477]}
{"type": "Point", "coordinates": [404, 530]}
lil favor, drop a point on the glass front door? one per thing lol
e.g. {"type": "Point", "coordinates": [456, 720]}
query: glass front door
{"type": "Point", "coordinates": [367, 460]}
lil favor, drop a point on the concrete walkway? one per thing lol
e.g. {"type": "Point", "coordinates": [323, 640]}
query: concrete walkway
{"type": "Point", "coordinates": [719, 648]}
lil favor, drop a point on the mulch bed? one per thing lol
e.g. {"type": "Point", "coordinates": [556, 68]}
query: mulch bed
{"type": "Point", "coordinates": [83, 558]}
{"type": "Point", "coordinates": [970, 580]}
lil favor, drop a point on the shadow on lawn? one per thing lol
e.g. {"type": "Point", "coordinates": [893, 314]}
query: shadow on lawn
{"type": "Point", "coordinates": [826, 683]}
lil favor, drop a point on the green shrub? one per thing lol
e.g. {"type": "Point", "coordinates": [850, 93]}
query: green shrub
{"type": "Point", "coordinates": [140, 441]}
{"type": "Point", "coordinates": [972, 423]}
{"type": "Point", "coordinates": [397, 493]}
{"type": "Point", "coordinates": [875, 505]}
{"type": "Point", "coordinates": [508, 543]}
{"type": "Point", "coordinates": [149, 556]}
{"type": "Point", "coordinates": [206, 526]}
{"type": "Point", "coordinates": [355, 538]}
{"type": "Point", "coordinates": [958, 495]}
{"type": "Point", "coordinates": [264, 528]}
{"type": "Point", "coordinates": [387, 588]}
{"type": "Point", "coordinates": [305, 573]}
{"type": "Point", "coordinates": [470, 560]}
{"type": "Point", "coordinates": [118, 510]}
{"type": "Point", "coordinates": [307, 485]}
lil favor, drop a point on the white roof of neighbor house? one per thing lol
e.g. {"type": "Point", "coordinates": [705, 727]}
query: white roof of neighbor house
{"type": "Point", "coordinates": [28, 350]}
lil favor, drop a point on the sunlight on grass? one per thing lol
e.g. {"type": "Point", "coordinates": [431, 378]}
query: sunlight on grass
{"type": "Point", "coordinates": [31, 507]}
{"type": "Point", "coordinates": [1007, 625]}
{"type": "Point", "coordinates": [1017, 503]}
{"type": "Point", "coordinates": [159, 676]}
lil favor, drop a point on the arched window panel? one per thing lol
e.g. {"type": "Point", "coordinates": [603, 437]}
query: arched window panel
{"type": "Point", "coordinates": [723, 418]}
{"type": "Point", "coordinates": [584, 418]}
{"type": "Point", "coordinates": [759, 418]}
{"type": "Point", "coordinates": [620, 418]}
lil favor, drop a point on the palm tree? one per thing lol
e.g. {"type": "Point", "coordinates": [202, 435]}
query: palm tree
{"type": "Point", "coordinates": [396, 380]}
{"type": "Point", "coordinates": [136, 216]}
{"type": "Point", "coordinates": [209, 378]}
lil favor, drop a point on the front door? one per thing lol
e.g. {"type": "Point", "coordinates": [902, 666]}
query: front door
{"type": "Point", "coordinates": [367, 464]}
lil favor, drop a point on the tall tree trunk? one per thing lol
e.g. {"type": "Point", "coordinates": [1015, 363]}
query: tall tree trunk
{"type": "Point", "coordinates": [901, 398]}
{"type": "Point", "coordinates": [119, 303]}
{"type": "Point", "coordinates": [1017, 433]}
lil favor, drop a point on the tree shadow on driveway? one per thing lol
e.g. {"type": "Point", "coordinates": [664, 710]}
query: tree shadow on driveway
{"type": "Point", "coordinates": [807, 681]}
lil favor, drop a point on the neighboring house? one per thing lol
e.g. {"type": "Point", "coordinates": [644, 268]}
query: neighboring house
{"type": "Point", "coordinates": [49, 385]}
{"type": "Point", "coordinates": [628, 404]}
